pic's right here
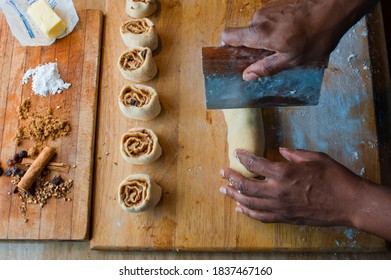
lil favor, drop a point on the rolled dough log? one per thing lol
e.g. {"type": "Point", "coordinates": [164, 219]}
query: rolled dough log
{"type": "Point", "coordinates": [140, 146]}
{"type": "Point", "coordinates": [139, 102]}
{"type": "Point", "coordinates": [140, 8]}
{"type": "Point", "coordinates": [139, 33]}
{"type": "Point", "coordinates": [137, 65]}
{"type": "Point", "coordinates": [138, 193]}
{"type": "Point", "coordinates": [245, 131]}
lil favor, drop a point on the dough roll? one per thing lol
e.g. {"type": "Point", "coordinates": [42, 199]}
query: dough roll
{"type": "Point", "coordinates": [140, 8]}
{"type": "Point", "coordinates": [139, 33]}
{"type": "Point", "coordinates": [140, 146]}
{"type": "Point", "coordinates": [246, 132]}
{"type": "Point", "coordinates": [137, 65]}
{"type": "Point", "coordinates": [139, 102]}
{"type": "Point", "coordinates": [138, 193]}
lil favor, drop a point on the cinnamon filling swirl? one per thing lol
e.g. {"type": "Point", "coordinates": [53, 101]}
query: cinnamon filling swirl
{"type": "Point", "coordinates": [133, 59]}
{"type": "Point", "coordinates": [134, 96]}
{"type": "Point", "coordinates": [137, 143]}
{"type": "Point", "coordinates": [139, 26]}
{"type": "Point", "coordinates": [134, 192]}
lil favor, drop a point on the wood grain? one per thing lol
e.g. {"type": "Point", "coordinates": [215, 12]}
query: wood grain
{"type": "Point", "coordinates": [78, 58]}
{"type": "Point", "coordinates": [192, 214]}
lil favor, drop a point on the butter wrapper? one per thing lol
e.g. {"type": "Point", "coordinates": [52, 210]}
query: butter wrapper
{"type": "Point", "coordinates": [23, 27]}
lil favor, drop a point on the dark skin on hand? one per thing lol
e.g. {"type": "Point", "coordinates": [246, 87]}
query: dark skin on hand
{"type": "Point", "coordinates": [298, 31]}
{"type": "Point", "coordinates": [310, 188]}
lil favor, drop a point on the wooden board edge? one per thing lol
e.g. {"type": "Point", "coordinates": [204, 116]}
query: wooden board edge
{"type": "Point", "coordinates": [85, 234]}
{"type": "Point", "coordinates": [382, 90]}
{"type": "Point", "coordinates": [377, 248]}
{"type": "Point", "coordinates": [100, 247]}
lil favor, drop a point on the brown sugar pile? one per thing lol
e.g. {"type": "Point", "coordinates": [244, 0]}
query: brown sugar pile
{"type": "Point", "coordinates": [39, 126]}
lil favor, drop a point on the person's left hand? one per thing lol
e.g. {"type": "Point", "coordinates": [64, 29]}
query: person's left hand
{"type": "Point", "coordinates": [310, 189]}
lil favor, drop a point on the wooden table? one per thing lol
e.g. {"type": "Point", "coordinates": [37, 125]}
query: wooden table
{"type": "Point", "coordinates": [80, 250]}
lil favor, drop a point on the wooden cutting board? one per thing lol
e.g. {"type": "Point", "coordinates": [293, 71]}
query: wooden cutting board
{"type": "Point", "coordinates": [78, 58]}
{"type": "Point", "coordinates": [192, 214]}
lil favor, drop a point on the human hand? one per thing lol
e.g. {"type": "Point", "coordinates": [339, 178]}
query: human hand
{"type": "Point", "coordinates": [310, 189]}
{"type": "Point", "coordinates": [297, 31]}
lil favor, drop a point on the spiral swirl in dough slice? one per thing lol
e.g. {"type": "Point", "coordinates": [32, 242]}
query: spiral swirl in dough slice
{"type": "Point", "coordinates": [137, 64]}
{"type": "Point", "coordinates": [139, 102]}
{"type": "Point", "coordinates": [139, 32]}
{"type": "Point", "coordinates": [138, 193]}
{"type": "Point", "coordinates": [140, 146]}
{"type": "Point", "coordinates": [140, 8]}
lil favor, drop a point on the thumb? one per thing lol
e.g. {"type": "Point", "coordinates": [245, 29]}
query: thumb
{"type": "Point", "coordinates": [238, 36]}
{"type": "Point", "coordinates": [268, 66]}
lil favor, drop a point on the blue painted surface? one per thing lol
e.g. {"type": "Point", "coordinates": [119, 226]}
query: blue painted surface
{"type": "Point", "coordinates": [342, 123]}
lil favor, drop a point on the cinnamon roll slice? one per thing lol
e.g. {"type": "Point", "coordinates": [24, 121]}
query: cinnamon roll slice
{"type": "Point", "coordinates": [139, 102]}
{"type": "Point", "coordinates": [137, 65]}
{"type": "Point", "coordinates": [139, 33]}
{"type": "Point", "coordinates": [138, 193]}
{"type": "Point", "coordinates": [140, 8]}
{"type": "Point", "coordinates": [140, 146]}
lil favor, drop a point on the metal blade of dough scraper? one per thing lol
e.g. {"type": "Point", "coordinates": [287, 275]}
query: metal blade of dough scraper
{"type": "Point", "coordinates": [226, 89]}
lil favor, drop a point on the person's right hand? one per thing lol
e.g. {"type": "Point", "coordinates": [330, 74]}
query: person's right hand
{"type": "Point", "coordinates": [297, 31]}
{"type": "Point", "coordinates": [310, 189]}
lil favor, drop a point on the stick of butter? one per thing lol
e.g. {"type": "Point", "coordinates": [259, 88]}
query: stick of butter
{"type": "Point", "coordinates": [47, 19]}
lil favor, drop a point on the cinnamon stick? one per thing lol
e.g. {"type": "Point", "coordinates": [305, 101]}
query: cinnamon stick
{"type": "Point", "coordinates": [36, 168]}
{"type": "Point", "coordinates": [52, 166]}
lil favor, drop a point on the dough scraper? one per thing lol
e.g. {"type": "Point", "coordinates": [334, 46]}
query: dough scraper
{"type": "Point", "coordinates": [226, 89]}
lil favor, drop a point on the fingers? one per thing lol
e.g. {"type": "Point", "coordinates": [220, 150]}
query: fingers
{"type": "Point", "coordinates": [292, 155]}
{"type": "Point", "coordinates": [258, 165]}
{"type": "Point", "coordinates": [253, 37]}
{"type": "Point", "coordinates": [257, 208]}
{"type": "Point", "coordinates": [253, 203]}
{"type": "Point", "coordinates": [233, 36]}
{"type": "Point", "coordinates": [297, 156]}
{"type": "Point", "coordinates": [263, 216]}
{"type": "Point", "coordinates": [250, 37]}
{"type": "Point", "coordinates": [268, 66]}
{"type": "Point", "coordinates": [246, 186]}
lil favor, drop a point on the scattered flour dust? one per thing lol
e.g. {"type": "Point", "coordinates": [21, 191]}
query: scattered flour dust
{"type": "Point", "coordinates": [46, 79]}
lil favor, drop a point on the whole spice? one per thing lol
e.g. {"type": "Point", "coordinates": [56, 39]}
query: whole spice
{"type": "Point", "coordinates": [41, 191]}
{"type": "Point", "coordinates": [11, 162]}
{"type": "Point", "coordinates": [52, 166]}
{"type": "Point", "coordinates": [36, 168]}
{"type": "Point", "coordinates": [1, 171]}
{"type": "Point", "coordinates": [45, 190]}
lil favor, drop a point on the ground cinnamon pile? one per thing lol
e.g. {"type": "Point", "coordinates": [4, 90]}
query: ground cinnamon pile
{"type": "Point", "coordinates": [39, 126]}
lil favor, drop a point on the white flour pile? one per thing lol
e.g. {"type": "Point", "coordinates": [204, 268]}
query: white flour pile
{"type": "Point", "coordinates": [46, 79]}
